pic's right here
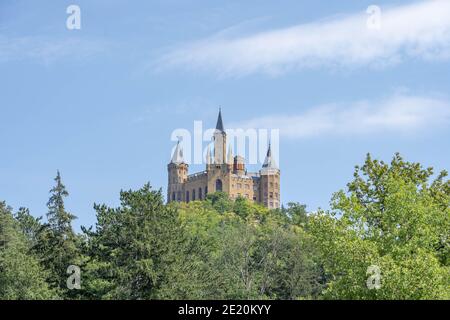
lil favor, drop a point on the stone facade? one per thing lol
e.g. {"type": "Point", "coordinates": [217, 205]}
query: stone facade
{"type": "Point", "coordinates": [224, 173]}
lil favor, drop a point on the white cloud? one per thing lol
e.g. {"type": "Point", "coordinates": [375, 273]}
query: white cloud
{"type": "Point", "coordinates": [419, 30]}
{"type": "Point", "coordinates": [399, 113]}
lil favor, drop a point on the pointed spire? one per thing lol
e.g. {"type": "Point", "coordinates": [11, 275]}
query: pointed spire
{"type": "Point", "coordinates": [230, 155]}
{"type": "Point", "coordinates": [219, 125]}
{"type": "Point", "coordinates": [177, 157]}
{"type": "Point", "coordinates": [209, 159]}
{"type": "Point", "coordinates": [269, 162]}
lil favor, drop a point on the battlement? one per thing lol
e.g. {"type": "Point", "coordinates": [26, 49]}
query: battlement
{"type": "Point", "coordinates": [197, 176]}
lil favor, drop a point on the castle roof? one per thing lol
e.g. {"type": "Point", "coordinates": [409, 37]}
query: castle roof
{"type": "Point", "coordinates": [269, 162]}
{"type": "Point", "coordinates": [219, 125]}
{"type": "Point", "coordinates": [177, 157]}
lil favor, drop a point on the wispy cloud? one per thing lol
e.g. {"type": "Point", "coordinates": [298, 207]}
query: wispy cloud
{"type": "Point", "coordinates": [399, 113]}
{"type": "Point", "coordinates": [418, 30]}
{"type": "Point", "coordinates": [47, 50]}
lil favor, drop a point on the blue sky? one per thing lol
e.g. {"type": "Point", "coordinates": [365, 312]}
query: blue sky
{"type": "Point", "coordinates": [100, 103]}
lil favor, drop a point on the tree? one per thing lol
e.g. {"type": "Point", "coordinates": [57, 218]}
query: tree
{"type": "Point", "coordinates": [57, 244]}
{"type": "Point", "coordinates": [249, 253]}
{"type": "Point", "coordinates": [192, 274]}
{"type": "Point", "coordinates": [132, 247]}
{"type": "Point", "coordinates": [29, 225]}
{"type": "Point", "coordinates": [220, 201]}
{"type": "Point", "coordinates": [297, 213]}
{"type": "Point", "coordinates": [393, 219]}
{"type": "Point", "coordinates": [59, 219]}
{"type": "Point", "coordinates": [267, 260]}
{"type": "Point", "coordinates": [21, 276]}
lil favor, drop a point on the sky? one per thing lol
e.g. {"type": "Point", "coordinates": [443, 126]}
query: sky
{"type": "Point", "coordinates": [338, 78]}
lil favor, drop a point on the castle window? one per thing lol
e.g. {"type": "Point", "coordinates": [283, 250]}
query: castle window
{"type": "Point", "coordinates": [193, 195]}
{"type": "Point", "coordinates": [218, 185]}
{"type": "Point", "coordinates": [206, 190]}
{"type": "Point", "coordinates": [247, 186]}
{"type": "Point", "coordinates": [271, 195]}
{"type": "Point", "coordinates": [254, 198]}
{"type": "Point", "coordinates": [277, 196]}
{"type": "Point", "coordinates": [239, 186]}
{"type": "Point", "coordinates": [187, 196]}
{"type": "Point", "coordinates": [200, 195]}
{"type": "Point", "coordinates": [179, 195]}
{"type": "Point", "coordinates": [271, 204]}
{"type": "Point", "coordinates": [173, 196]}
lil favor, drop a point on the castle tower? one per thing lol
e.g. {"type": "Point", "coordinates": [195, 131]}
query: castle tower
{"type": "Point", "coordinates": [209, 159]}
{"type": "Point", "coordinates": [239, 165]}
{"type": "Point", "coordinates": [230, 158]}
{"type": "Point", "coordinates": [177, 173]}
{"type": "Point", "coordinates": [219, 171]}
{"type": "Point", "coordinates": [270, 182]}
{"type": "Point", "coordinates": [220, 142]}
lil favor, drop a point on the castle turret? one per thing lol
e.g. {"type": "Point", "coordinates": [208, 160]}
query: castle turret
{"type": "Point", "coordinates": [239, 166]}
{"type": "Point", "coordinates": [230, 158]}
{"type": "Point", "coordinates": [209, 159]}
{"type": "Point", "coordinates": [220, 142]}
{"type": "Point", "coordinates": [270, 182]}
{"type": "Point", "coordinates": [178, 171]}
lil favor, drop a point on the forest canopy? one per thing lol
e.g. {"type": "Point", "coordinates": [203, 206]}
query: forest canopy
{"type": "Point", "coordinates": [385, 236]}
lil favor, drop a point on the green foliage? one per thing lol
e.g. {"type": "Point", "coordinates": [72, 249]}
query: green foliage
{"type": "Point", "coordinates": [245, 253]}
{"type": "Point", "coordinates": [392, 217]}
{"type": "Point", "coordinates": [296, 213]}
{"type": "Point", "coordinates": [132, 246]}
{"type": "Point", "coordinates": [220, 201]}
{"type": "Point", "coordinates": [21, 276]}
{"type": "Point", "coordinates": [57, 245]}
{"type": "Point", "coordinates": [29, 225]}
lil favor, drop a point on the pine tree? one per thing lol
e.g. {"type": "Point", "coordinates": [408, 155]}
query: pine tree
{"type": "Point", "coordinates": [21, 275]}
{"type": "Point", "coordinates": [58, 218]}
{"type": "Point", "coordinates": [133, 247]}
{"type": "Point", "coordinates": [57, 243]}
{"type": "Point", "coordinates": [29, 225]}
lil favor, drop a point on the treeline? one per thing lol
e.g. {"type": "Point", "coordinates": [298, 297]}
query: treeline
{"type": "Point", "coordinates": [386, 236]}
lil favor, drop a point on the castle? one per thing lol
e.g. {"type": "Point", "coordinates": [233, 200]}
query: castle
{"type": "Point", "coordinates": [223, 173]}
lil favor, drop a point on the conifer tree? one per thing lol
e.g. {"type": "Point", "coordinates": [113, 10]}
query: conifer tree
{"type": "Point", "coordinates": [58, 245]}
{"type": "Point", "coordinates": [29, 225]}
{"type": "Point", "coordinates": [21, 275]}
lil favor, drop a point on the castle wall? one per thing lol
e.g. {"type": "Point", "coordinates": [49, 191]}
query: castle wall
{"type": "Point", "coordinates": [222, 173]}
{"type": "Point", "coordinates": [195, 186]}
{"type": "Point", "coordinates": [263, 188]}
{"type": "Point", "coordinates": [270, 189]}
{"type": "Point", "coordinates": [244, 186]}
